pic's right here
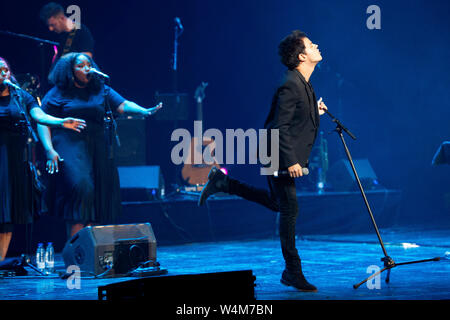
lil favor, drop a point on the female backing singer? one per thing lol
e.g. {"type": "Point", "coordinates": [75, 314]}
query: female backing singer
{"type": "Point", "coordinates": [86, 187]}
{"type": "Point", "coordinates": [17, 109]}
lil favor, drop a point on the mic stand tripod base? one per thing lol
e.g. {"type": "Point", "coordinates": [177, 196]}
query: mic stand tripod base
{"type": "Point", "coordinates": [27, 263]}
{"type": "Point", "coordinates": [388, 265]}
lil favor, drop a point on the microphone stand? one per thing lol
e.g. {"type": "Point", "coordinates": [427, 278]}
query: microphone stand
{"type": "Point", "coordinates": [389, 263]}
{"type": "Point", "coordinates": [32, 137]}
{"type": "Point", "coordinates": [40, 42]}
{"type": "Point", "coordinates": [177, 33]}
{"type": "Point", "coordinates": [29, 37]}
{"type": "Point", "coordinates": [32, 140]}
{"type": "Point", "coordinates": [26, 261]}
{"type": "Point", "coordinates": [110, 122]}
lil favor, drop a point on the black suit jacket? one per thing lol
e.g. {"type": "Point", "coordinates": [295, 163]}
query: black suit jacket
{"type": "Point", "coordinates": [295, 114]}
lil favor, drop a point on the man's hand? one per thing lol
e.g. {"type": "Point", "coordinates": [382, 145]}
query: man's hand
{"type": "Point", "coordinates": [322, 107]}
{"type": "Point", "coordinates": [295, 171]}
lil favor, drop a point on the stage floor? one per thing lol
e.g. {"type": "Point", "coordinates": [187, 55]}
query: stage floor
{"type": "Point", "coordinates": [334, 263]}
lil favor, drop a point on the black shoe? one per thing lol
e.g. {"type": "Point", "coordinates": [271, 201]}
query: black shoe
{"type": "Point", "coordinates": [217, 182]}
{"type": "Point", "coordinates": [297, 281]}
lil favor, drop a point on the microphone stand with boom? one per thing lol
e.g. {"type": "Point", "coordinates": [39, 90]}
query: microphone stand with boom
{"type": "Point", "coordinates": [389, 263]}
{"type": "Point", "coordinates": [32, 140]}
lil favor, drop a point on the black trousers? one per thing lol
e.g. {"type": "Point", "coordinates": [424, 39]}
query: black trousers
{"type": "Point", "coordinates": [281, 197]}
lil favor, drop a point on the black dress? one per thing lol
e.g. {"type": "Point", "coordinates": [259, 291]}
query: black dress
{"type": "Point", "coordinates": [15, 178]}
{"type": "Point", "coordinates": [86, 189]}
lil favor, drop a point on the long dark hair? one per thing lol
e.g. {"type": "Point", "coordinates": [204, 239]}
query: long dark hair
{"type": "Point", "coordinates": [63, 77]}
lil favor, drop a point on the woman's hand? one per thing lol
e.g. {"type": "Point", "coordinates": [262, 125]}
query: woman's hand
{"type": "Point", "coordinates": [73, 124]}
{"type": "Point", "coordinates": [151, 111]}
{"type": "Point", "coordinates": [52, 161]}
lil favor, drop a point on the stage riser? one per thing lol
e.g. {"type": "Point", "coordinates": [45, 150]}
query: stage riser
{"type": "Point", "coordinates": [232, 218]}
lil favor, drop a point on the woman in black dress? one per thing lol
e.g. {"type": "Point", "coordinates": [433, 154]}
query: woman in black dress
{"type": "Point", "coordinates": [85, 186]}
{"type": "Point", "coordinates": [15, 177]}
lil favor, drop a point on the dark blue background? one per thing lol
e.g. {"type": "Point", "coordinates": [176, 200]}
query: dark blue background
{"type": "Point", "coordinates": [389, 86]}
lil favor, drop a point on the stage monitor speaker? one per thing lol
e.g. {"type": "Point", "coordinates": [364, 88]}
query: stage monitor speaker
{"type": "Point", "coordinates": [111, 249]}
{"type": "Point", "coordinates": [133, 143]}
{"type": "Point", "coordinates": [340, 176]}
{"type": "Point", "coordinates": [207, 287]}
{"type": "Point", "coordinates": [141, 183]}
{"type": "Point", "coordinates": [175, 106]}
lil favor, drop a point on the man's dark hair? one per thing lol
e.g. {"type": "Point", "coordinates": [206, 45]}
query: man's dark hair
{"type": "Point", "coordinates": [50, 10]}
{"type": "Point", "coordinates": [290, 47]}
{"type": "Point", "coordinates": [62, 74]}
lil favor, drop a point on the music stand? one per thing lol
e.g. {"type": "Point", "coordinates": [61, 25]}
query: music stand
{"type": "Point", "coordinates": [389, 263]}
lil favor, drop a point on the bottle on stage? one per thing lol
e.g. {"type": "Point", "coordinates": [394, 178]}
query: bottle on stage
{"type": "Point", "coordinates": [49, 259]}
{"type": "Point", "coordinates": [40, 257]}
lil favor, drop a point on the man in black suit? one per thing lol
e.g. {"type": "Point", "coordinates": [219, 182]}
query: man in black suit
{"type": "Point", "coordinates": [295, 113]}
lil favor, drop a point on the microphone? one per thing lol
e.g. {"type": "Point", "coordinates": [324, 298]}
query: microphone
{"type": "Point", "coordinates": [285, 173]}
{"type": "Point", "coordinates": [178, 22]}
{"type": "Point", "coordinates": [98, 73]}
{"type": "Point", "coordinates": [12, 85]}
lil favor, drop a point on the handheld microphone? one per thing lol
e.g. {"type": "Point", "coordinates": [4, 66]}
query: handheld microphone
{"type": "Point", "coordinates": [98, 73]}
{"type": "Point", "coordinates": [285, 173]}
{"type": "Point", "coordinates": [12, 85]}
{"type": "Point", "coordinates": [178, 22]}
